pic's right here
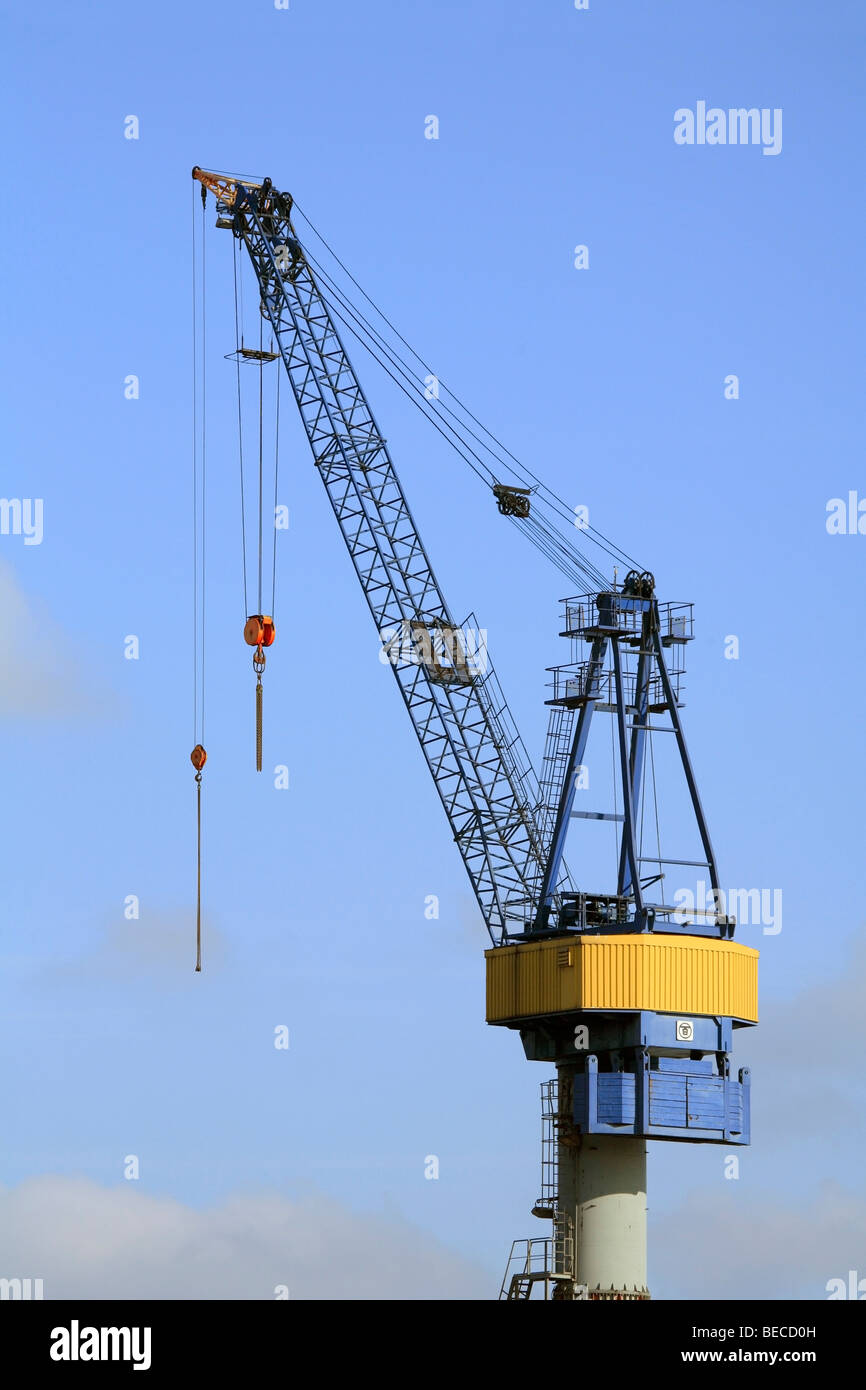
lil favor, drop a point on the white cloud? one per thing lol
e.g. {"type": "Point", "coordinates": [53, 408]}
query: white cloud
{"type": "Point", "coordinates": [715, 1245]}
{"type": "Point", "coordinates": [810, 1047]}
{"type": "Point", "coordinates": [157, 948]}
{"type": "Point", "coordinates": [41, 674]}
{"type": "Point", "coordinates": [88, 1241]}
{"type": "Point", "coordinates": [784, 1239]}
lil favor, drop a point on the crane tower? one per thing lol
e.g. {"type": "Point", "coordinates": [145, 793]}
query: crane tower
{"type": "Point", "coordinates": [633, 1000]}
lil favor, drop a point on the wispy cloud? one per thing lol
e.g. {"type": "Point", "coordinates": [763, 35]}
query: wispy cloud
{"type": "Point", "coordinates": [88, 1241]}
{"type": "Point", "coordinates": [42, 676]}
{"type": "Point", "coordinates": [158, 948]}
{"type": "Point", "coordinates": [715, 1246]}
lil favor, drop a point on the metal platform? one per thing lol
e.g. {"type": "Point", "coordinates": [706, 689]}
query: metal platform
{"type": "Point", "coordinates": [587, 615]}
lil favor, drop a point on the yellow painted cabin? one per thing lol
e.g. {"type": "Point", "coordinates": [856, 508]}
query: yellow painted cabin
{"type": "Point", "coordinates": [663, 973]}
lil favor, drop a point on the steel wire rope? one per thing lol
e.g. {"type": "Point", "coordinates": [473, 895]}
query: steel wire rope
{"type": "Point", "coordinates": [276, 487]}
{"type": "Point", "coordinates": [261, 453]}
{"type": "Point", "coordinates": [579, 563]}
{"type": "Point", "coordinates": [203, 452]}
{"type": "Point", "coordinates": [523, 469]}
{"type": "Point", "coordinates": [238, 341]}
{"type": "Point", "coordinates": [194, 483]}
{"type": "Point", "coordinates": [360, 329]}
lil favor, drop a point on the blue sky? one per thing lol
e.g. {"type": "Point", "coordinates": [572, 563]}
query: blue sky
{"type": "Point", "coordinates": [556, 129]}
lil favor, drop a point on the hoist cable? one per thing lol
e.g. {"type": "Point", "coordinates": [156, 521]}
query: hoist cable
{"type": "Point", "coordinates": [394, 357]}
{"type": "Point", "coordinates": [360, 328]}
{"type": "Point", "coordinates": [240, 290]}
{"type": "Point", "coordinates": [276, 487]}
{"type": "Point", "coordinates": [194, 484]}
{"type": "Point", "coordinates": [198, 757]}
{"type": "Point", "coordinates": [574, 561]}
{"type": "Point", "coordinates": [566, 558]}
{"type": "Point", "coordinates": [261, 454]}
{"type": "Point", "coordinates": [203, 453]}
{"type": "Point", "coordinates": [561, 547]}
{"type": "Point", "coordinates": [486, 477]}
{"type": "Point", "coordinates": [577, 573]}
{"type": "Point", "coordinates": [597, 536]}
{"type": "Point", "coordinates": [238, 339]}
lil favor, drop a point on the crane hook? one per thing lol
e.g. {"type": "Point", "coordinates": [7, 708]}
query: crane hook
{"type": "Point", "coordinates": [259, 632]}
{"type": "Point", "coordinates": [198, 758]}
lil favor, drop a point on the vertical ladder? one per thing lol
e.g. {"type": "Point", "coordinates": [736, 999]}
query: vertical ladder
{"type": "Point", "coordinates": [547, 1203]}
{"type": "Point", "coordinates": [554, 766]}
{"type": "Point", "coordinates": [547, 1261]}
{"type": "Point", "coordinates": [557, 747]}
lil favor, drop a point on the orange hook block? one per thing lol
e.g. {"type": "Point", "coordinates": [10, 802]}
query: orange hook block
{"type": "Point", "coordinates": [198, 757]}
{"type": "Point", "coordinates": [259, 630]}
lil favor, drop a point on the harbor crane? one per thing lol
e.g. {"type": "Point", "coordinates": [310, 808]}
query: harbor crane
{"type": "Point", "coordinates": [631, 999]}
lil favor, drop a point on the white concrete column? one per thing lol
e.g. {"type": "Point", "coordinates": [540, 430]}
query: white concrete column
{"type": "Point", "coordinates": [602, 1187]}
